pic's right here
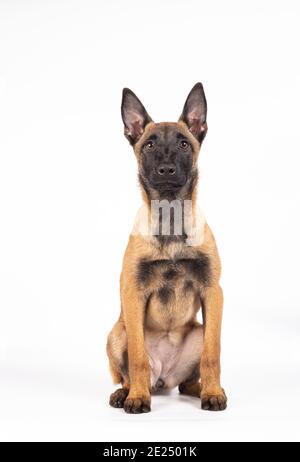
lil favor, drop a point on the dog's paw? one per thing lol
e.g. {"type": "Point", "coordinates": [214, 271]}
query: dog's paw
{"type": "Point", "coordinates": [117, 398]}
{"type": "Point", "coordinates": [137, 405]}
{"type": "Point", "coordinates": [213, 401]}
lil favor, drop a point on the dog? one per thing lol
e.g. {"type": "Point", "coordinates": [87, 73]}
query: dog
{"type": "Point", "coordinates": [166, 277]}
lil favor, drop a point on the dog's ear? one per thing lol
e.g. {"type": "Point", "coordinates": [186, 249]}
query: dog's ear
{"type": "Point", "coordinates": [194, 112]}
{"type": "Point", "coordinates": [134, 116]}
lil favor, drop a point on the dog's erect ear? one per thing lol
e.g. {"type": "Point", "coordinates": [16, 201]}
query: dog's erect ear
{"type": "Point", "coordinates": [134, 116]}
{"type": "Point", "coordinates": [194, 112]}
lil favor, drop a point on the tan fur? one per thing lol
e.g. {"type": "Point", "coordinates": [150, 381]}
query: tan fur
{"type": "Point", "coordinates": [137, 320]}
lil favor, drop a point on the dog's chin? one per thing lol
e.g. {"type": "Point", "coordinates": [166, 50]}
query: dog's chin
{"type": "Point", "coordinates": [163, 189]}
{"type": "Point", "coordinates": [167, 187]}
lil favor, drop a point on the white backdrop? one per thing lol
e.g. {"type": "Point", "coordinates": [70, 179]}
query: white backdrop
{"type": "Point", "coordinates": [68, 197]}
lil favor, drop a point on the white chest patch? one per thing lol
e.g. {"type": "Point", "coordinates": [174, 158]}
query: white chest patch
{"type": "Point", "coordinates": [145, 226]}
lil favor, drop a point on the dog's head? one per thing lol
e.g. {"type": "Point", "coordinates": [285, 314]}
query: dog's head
{"type": "Point", "coordinates": [166, 152]}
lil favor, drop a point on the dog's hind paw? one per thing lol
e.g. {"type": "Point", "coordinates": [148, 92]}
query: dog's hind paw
{"type": "Point", "coordinates": [117, 398]}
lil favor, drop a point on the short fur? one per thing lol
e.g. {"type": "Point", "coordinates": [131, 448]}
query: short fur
{"type": "Point", "coordinates": [157, 341]}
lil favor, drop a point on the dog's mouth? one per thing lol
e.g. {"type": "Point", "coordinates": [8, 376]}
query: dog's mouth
{"type": "Point", "coordinates": [168, 185]}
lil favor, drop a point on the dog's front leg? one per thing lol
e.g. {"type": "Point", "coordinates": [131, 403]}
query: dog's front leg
{"type": "Point", "coordinates": [133, 303]}
{"type": "Point", "coordinates": [212, 395]}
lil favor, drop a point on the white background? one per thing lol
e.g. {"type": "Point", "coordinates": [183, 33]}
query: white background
{"type": "Point", "coordinates": [68, 197]}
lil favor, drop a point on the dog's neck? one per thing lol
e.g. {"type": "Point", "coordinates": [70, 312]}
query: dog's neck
{"type": "Point", "coordinates": [184, 198]}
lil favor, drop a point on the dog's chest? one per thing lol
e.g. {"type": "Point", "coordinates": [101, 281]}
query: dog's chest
{"type": "Point", "coordinates": [174, 287]}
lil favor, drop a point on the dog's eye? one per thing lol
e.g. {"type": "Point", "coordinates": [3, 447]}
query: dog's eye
{"type": "Point", "coordinates": [184, 144]}
{"type": "Point", "coordinates": [149, 145]}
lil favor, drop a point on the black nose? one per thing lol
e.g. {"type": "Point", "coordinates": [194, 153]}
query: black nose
{"type": "Point", "coordinates": [166, 170]}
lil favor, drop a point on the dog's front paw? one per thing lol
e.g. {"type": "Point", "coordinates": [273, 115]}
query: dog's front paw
{"type": "Point", "coordinates": [137, 405]}
{"type": "Point", "coordinates": [216, 401]}
{"type": "Point", "coordinates": [117, 398]}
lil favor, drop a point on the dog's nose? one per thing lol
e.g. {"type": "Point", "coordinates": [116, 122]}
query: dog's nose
{"type": "Point", "coordinates": [166, 170]}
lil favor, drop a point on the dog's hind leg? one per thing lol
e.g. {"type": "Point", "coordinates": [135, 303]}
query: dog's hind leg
{"type": "Point", "coordinates": [191, 386]}
{"type": "Point", "coordinates": [185, 373]}
{"type": "Point", "coordinates": [118, 363]}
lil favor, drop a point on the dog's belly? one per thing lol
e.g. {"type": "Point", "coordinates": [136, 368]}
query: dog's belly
{"type": "Point", "coordinates": [174, 356]}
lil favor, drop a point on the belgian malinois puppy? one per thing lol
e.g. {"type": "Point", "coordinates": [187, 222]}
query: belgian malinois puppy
{"type": "Point", "coordinates": [167, 277]}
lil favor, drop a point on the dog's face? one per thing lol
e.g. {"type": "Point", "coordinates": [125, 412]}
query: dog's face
{"type": "Point", "coordinates": [166, 152]}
